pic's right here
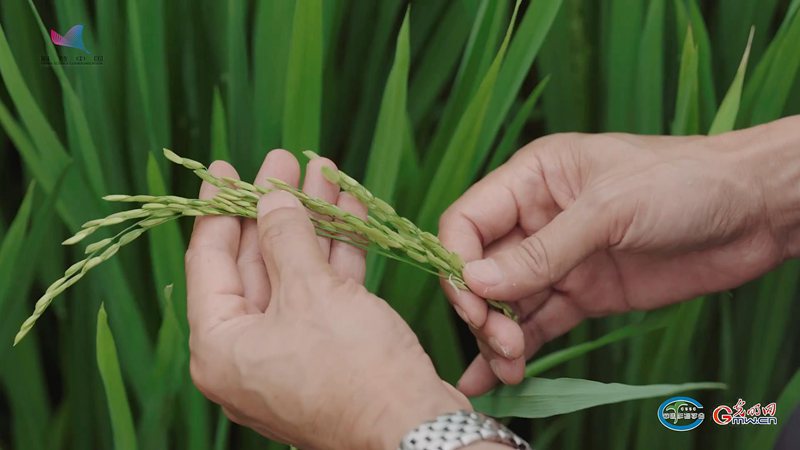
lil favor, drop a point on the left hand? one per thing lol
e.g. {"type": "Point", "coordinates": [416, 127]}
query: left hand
{"type": "Point", "coordinates": [285, 337]}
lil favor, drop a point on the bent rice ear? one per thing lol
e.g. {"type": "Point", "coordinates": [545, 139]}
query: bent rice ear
{"type": "Point", "coordinates": [383, 231]}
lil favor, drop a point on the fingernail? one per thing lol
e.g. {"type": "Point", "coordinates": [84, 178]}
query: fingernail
{"type": "Point", "coordinates": [463, 315]}
{"type": "Point", "coordinates": [499, 347]}
{"type": "Point", "coordinates": [495, 366]}
{"type": "Point", "coordinates": [274, 200]}
{"type": "Point", "coordinates": [485, 271]}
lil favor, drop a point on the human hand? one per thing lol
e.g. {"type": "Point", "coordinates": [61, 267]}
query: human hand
{"type": "Point", "coordinates": [577, 226]}
{"type": "Point", "coordinates": [285, 337]}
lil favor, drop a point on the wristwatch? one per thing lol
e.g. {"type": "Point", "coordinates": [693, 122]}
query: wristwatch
{"type": "Point", "coordinates": [459, 429]}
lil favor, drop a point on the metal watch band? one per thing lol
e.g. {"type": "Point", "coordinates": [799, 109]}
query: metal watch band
{"type": "Point", "coordinates": [459, 429]}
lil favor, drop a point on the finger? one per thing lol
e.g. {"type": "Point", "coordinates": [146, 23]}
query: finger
{"type": "Point", "coordinates": [542, 259]}
{"type": "Point", "coordinates": [348, 261]}
{"type": "Point", "coordinates": [502, 335]}
{"type": "Point", "coordinates": [478, 379]}
{"type": "Point", "coordinates": [508, 371]}
{"type": "Point", "coordinates": [214, 288]}
{"type": "Point", "coordinates": [528, 305]}
{"type": "Point", "coordinates": [277, 164]}
{"type": "Point", "coordinates": [316, 185]}
{"type": "Point", "coordinates": [288, 242]}
{"type": "Point", "coordinates": [484, 213]}
{"type": "Point", "coordinates": [470, 307]}
{"type": "Point", "coordinates": [485, 371]}
{"type": "Point", "coordinates": [557, 316]}
{"type": "Point", "coordinates": [487, 211]}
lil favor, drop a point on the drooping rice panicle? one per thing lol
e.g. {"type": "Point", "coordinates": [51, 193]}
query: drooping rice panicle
{"type": "Point", "coordinates": [384, 231]}
{"type": "Point", "coordinates": [76, 271]}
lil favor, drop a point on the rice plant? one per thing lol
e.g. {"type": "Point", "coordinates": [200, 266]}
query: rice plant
{"type": "Point", "coordinates": [416, 99]}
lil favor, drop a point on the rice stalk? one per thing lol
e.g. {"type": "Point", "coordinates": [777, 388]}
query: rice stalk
{"type": "Point", "coordinates": [384, 231]}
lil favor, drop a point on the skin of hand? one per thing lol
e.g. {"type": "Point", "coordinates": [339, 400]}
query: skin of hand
{"type": "Point", "coordinates": [576, 226]}
{"type": "Point", "coordinates": [285, 337]}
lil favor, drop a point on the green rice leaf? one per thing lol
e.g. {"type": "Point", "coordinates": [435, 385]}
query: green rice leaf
{"type": "Point", "coordinates": [222, 432]}
{"type": "Point", "coordinates": [707, 96]}
{"type": "Point", "coordinates": [238, 90]}
{"type": "Point", "coordinates": [540, 397]}
{"type": "Point", "coordinates": [765, 94]}
{"type": "Point", "coordinates": [118, 407]}
{"type": "Point", "coordinates": [654, 321]}
{"type": "Point", "coordinates": [527, 41]}
{"type": "Point", "coordinates": [730, 28]}
{"type": "Point", "coordinates": [438, 325]}
{"type": "Point", "coordinates": [166, 251]}
{"type": "Point", "coordinates": [82, 143]}
{"type": "Point", "coordinates": [23, 380]}
{"type": "Point", "coordinates": [148, 105]}
{"type": "Point", "coordinates": [726, 115]}
{"type": "Point", "coordinates": [12, 245]}
{"type": "Point", "coordinates": [76, 202]}
{"type": "Point", "coordinates": [21, 371]}
{"type": "Point", "coordinates": [20, 251]}
{"type": "Point", "coordinates": [387, 146]}
{"type": "Point", "coordinates": [650, 72]}
{"type": "Point", "coordinates": [23, 377]}
{"type": "Point", "coordinates": [686, 119]}
{"type": "Point", "coordinates": [358, 129]}
{"type": "Point", "coordinates": [440, 58]}
{"type": "Point", "coordinates": [622, 30]}
{"type": "Point", "coordinates": [32, 117]}
{"type": "Point", "coordinates": [219, 134]}
{"type": "Point", "coordinates": [509, 144]}
{"type": "Point", "coordinates": [302, 111]}
{"type": "Point", "coordinates": [566, 57]}
{"type": "Point", "coordinates": [91, 122]}
{"type": "Point", "coordinates": [777, 292]}
{"type": "Point", "coordinates": [787, 404]}
{"type": "Point", "coordinates": [675, 344]}
{"type": "Point", "coordinates": [167, 375]}
{"type": "Point", "coordinates": [454, 172]}
{"type": "Point", "coordinates": [453, 175]}
{"type": "Point", "coordinates": [195, 414]}
{"type": "Point", "coordinates": [271, 40]}
{"type": "Point", "coordinates": [482, 44]}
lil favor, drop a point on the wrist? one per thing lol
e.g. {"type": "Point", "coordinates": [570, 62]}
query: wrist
{"type": "Point", "coordinates": [768, 157]}
{"type": "Point", "coordinates": [410, 409]}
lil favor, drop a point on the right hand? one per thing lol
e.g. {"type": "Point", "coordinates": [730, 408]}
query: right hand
{"type": "Point", "coordinates": [577, 226]}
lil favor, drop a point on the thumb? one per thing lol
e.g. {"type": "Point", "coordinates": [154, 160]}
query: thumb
{"type": "Point", "coordinates": [540, 260]}
{"type": "Point", "coordinates": [288, 242]}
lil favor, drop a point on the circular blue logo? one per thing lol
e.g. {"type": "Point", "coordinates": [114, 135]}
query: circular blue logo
{"type": "Point", "coordinates": [681, 413]}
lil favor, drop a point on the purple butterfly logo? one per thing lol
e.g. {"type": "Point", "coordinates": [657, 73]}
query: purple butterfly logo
{"type": "Point", "coordinates": [73, 38]}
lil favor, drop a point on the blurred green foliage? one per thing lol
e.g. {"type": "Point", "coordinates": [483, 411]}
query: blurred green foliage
{"type": "Point", "coordinates": [419, 112]}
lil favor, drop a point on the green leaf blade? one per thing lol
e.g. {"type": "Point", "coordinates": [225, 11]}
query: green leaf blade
{"type": "Point", "coordinates": [117, 399]}
{"type": "Point", "coordinates": [540, 397]}
{"type": "Point", "coordinates": [725, 120]}
{"type": "Point", "coordinates": [302, 111]}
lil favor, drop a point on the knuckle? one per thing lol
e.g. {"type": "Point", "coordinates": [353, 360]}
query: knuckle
{"type": "Point", "coordinates": [325, 286]}
{"type": "Point", "coordinates": [532, 255]}
{"type": "Point", "coordinates": [554, 141]}
{"type": "Point", "coordinates": [279, 225]}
